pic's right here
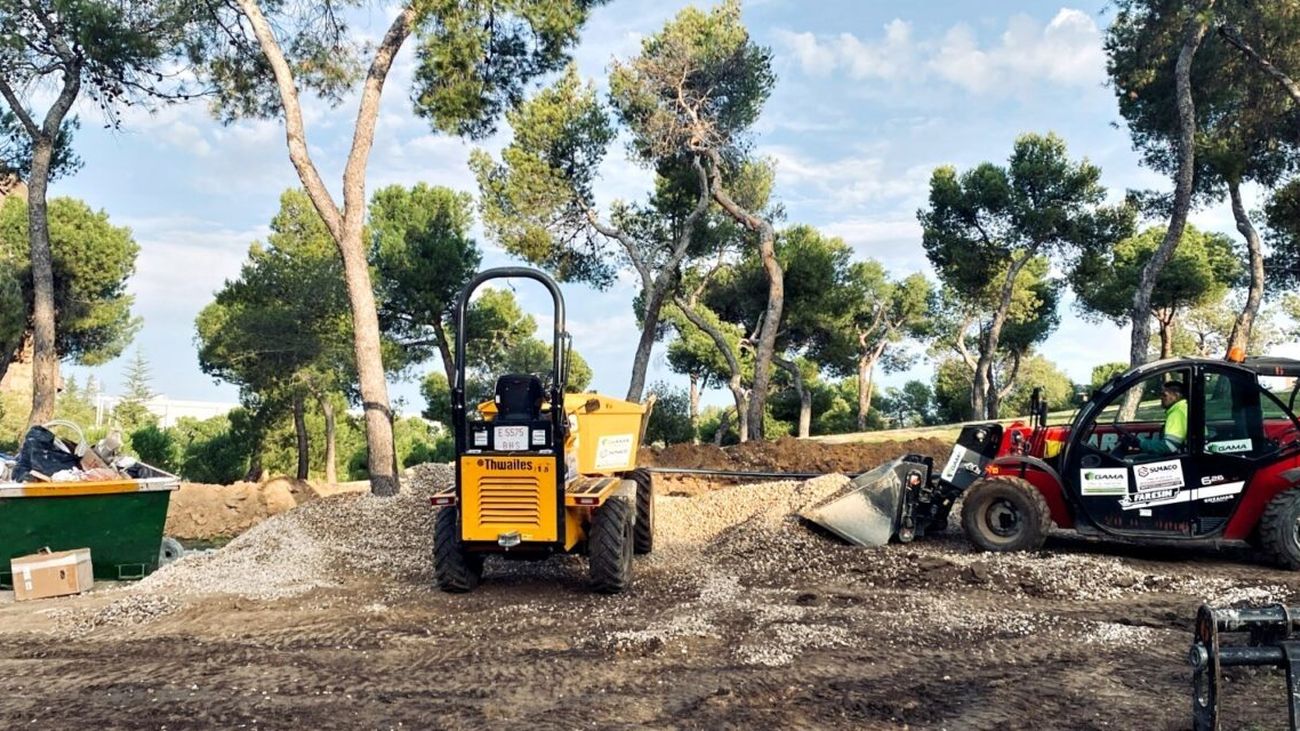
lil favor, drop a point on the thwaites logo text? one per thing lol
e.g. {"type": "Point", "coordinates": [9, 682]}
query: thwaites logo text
{"type": "Point", "coordinates": [505, 464]}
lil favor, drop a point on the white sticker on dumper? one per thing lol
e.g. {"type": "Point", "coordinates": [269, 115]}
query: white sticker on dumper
{"type": "Point", "coordinates": [954, 461]}
{"type": "Point", "coordinates": [1232, 446]}
{"type": "Point", "coordinates": [1103, 481]}
{"type": "Point", "coordinates": [613, 451]}
{"type": "Point", "coordinates": [1158, 476]}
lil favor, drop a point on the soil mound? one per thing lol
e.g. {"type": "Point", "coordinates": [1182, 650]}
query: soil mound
{"type": "Point", "coordinates": [792, 455]}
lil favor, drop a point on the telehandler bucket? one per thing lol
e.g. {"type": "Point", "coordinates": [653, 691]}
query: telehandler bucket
{"type": "Point", "coordinates": [873, 507]}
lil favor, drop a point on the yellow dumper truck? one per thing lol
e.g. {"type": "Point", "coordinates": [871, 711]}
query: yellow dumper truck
{"type": "Point", "coordinates": [539, 471]}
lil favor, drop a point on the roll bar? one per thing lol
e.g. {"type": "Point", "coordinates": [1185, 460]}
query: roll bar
{"type": "Point", "coordinates": [559, 353]}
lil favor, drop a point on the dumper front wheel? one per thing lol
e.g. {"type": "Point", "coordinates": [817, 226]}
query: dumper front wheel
{"type": "Point", "coordinates": [645, 511]}
{"type": "Point", "coordinates": [1005, 514]}
{"type": "Point", "coordinates": [610, 546]}
{"type": "Point", "coordinates": [455, 569]}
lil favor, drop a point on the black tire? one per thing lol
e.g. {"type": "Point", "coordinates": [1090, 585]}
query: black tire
{"type": "Point", "coordinates": [1005, 514]}
{"type": "Point", "coordinates": [609, 546]}
{"type": "Point", "coordinates": [645, 512]}
{"type": "Point", "coordinates": [171, 550]}
{"type": "Point", "coordinates": [455, 569]}
{"type": "Point", "coordinates": [1279, 529]}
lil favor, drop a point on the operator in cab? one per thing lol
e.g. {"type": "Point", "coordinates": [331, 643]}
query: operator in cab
{"type": "Point", "coordinates": [1172, 438]}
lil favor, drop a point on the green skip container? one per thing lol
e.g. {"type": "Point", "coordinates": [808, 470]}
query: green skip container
{"type": "Point", "coordinates": [121, 522]}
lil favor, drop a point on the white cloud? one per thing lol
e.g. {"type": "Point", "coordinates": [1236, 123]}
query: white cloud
{"type": "Point", "coordinates": [887, 59]}
{"type": "Point", "coordinates": [844, 182]}
{"type": "Point", "coordinates": [1067, 51]}
{"type": "Point", "coordinates": [894, 241]}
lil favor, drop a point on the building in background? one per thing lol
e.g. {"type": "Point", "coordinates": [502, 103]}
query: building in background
{"type": "Point", "coordinates": [168, 411]}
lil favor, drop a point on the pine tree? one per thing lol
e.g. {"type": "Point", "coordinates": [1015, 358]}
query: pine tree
{"type": "Point", "coordinates": [132, 411]}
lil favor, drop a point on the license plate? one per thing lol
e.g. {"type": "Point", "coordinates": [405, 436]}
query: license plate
{"type": "Point", "coordinates": [511, 438]}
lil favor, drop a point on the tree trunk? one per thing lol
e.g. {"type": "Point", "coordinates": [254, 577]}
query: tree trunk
{"type": "Point", "coordinates": [382, 456]}
{"type": "Point", "coordinates": [649, 327]}
{"type": "Point", "coordinates": [1290, 85]}
{"type": "Point", "coordinates": [742, 409]}
{"type": "Point", "coordinates": [695, 409]}
{"type": "Point", "coordinates": [766, 350]}
{"type": "Point", "coordinates": [45, 361]}
{"type": "Point", "coordinates": [733, 365]}
{"type": "Point", "coordinates": [444, 352]}
{"type": "Point", "coordinates": [1193, 33]}
{"type": "Point", "coordinates": [983, 380]}
{"type": "Point", "coordinates": [254, 473]}
{"type": "Point", "coordinates": [300, 429]}
{"type": "Point", "coordinates": [1241, 329]}
{"type": "Point", "coordinates": [331, 466]}
{"type": "Point", "coordinates": [866, 367]}
{"type": "Point", "coordinates": [723, 422]}
{"type": "Point", "coordinates": [805, 396]}
{"type": "Point", "coordinates": [997, 394]}
{"type": "Point", "coordinates": [346, 227]}
{"type": "Point", "coordinates": [1166, 336]}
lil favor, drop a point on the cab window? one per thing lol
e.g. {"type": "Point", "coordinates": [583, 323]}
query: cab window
{"type": "Point", "coordinates": [1138, 412]}
{"type": "Point", "coordinates": [1280, 426]}
{"type": "Point", "coordinates": [1233, 421]}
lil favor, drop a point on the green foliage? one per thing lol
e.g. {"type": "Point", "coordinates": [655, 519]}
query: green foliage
{"type": "Point", "coordinates": [699, 84]}
{"type": "Point", "coordinates": [909, 406]}
{"type": "Point", "coordinates": [212, 451]}
{"type": "Point", "coordinates": [1106, 371]}
{"type": "Point", "coordinates": [92, 262]}
{"type": "Point", "coordinates": [1283, 235]}
{"type": "Point", "coordinates": [475, 60]}
{"type": "Point", "coordinates": [156, 446]}
{"type": "Point", "coordinates": [1201, 270]}
{"type": "Point", "coordinates": [16, 146]}
{"type": "Point", "coordinates": [286, 317]}
{"type": "Point", "coordinates": [981, 222]}
{"type": "Point", "coordinates": [670, 421]}
{"type": "Point", "coordinates": [132, 412]}
{"type": "Point", "coordinates": [436, 391]}
{"type": "Point", "coordinates": [1246, 125]}
{"type": "Point", "coordinates": [499, 339]}
{"type": "Point", "coordinates": [952, 384]}
{"type": "Point", "coordinates": [76, 403]}
{"type": "Point", "coordinates": [422, 257]}
{"type": "Point", "coordinates": [535, 202]}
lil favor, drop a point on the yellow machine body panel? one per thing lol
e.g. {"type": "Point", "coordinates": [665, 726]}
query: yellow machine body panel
{"type": "Point", "coordinates": [605, 433]}
{"type": "Point", "coordinates": [503, 494]}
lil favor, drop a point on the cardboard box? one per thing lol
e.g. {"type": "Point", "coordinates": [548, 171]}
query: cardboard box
{"type": "Point", "coordinates": [43, 575]}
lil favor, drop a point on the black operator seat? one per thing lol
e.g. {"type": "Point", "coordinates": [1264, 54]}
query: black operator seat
{"type": "Point", "coordinates": [519, 397]}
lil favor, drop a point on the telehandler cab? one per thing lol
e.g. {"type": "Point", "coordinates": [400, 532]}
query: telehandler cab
{"type": "Point", "coordinates": [539, 471]}
{"type": "Point", "coordinates": [1234, 480]}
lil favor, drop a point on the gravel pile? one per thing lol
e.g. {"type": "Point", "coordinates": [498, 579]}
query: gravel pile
{"type": "Point", "coordinates": [319, 545]}
{"type": "Point", "coordinates": [735, 564]}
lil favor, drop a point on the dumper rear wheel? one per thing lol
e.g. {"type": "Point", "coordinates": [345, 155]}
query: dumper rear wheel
{"type": "Point", "coordinates": [1279, 529]}
{"type": "Point", "coordinates": [455, 569]}
{"type": "Point", "coordinates": [645, 511]}
{"type": "Point", "coordinates": [610, 546]}
{"type": "Point", "coordinates": [1005, 514]}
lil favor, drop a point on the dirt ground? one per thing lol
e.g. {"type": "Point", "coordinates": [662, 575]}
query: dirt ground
{"type": "Point", "coordinates": [325, 617]}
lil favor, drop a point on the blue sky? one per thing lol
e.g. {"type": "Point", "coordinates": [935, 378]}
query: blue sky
{"type": "Point", "coordinates": [870, 98]}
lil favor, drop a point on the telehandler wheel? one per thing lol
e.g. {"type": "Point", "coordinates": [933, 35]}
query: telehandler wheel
{"type": "Point", "coordinates": [645, 511]}
{"type": "Point", "coordinates": [455, 569]}
{"type": "Point", "coordinates": [609, 546]}
{"type": "Point", "coordinates": [1005, 514]}
{"type": "Point", "coordinates": [1279, 529]}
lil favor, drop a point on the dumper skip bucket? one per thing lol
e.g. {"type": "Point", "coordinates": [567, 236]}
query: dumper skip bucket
{"type": "Point", "coordinates": [868, 511]}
